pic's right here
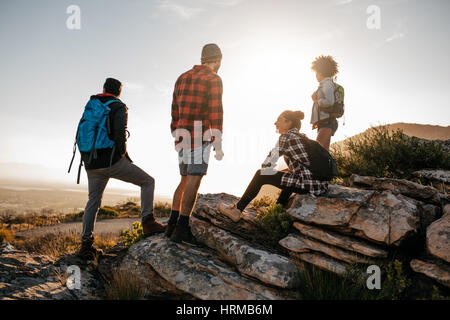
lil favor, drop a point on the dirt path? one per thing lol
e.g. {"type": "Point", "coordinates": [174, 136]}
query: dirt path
{"type": "Point", "coordinates": [106, 226]}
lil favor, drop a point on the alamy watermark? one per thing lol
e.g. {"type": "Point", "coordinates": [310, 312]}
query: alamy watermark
{"type": "Point", "coordinates": [74, 277]}
{"type": "Point", "coordinates": [73, 22]}
{"type": "Point", "coordinates": [374, 20]}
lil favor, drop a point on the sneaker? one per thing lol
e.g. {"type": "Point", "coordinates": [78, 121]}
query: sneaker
{"type": "Point", "coordinates": [230, 211]}
{"type": "Point", "coordinates": [183, 234]}
{"type": "Point", "coordinates": [153, 227]}
{"type": "Point", "coordinates": [170, 229]}
{"type": "Point", "coordinates": [88, 251]}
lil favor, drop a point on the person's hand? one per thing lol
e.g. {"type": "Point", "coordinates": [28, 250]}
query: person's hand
{"type": "Point", "coordinates": [314, 96]}
{"type": "Point", "coordinates": [122, 155]}
{"type": "Point", "coordinates": [219, 155]}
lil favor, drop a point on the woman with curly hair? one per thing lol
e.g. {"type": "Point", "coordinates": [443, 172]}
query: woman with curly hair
{"type": "Point", "coordinates": [326, 69]}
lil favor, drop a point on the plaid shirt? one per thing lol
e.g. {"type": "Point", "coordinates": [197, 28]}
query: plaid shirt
{"type": "Point", "coordinates": [197, 107]}
{"type": "Point", "coordinates": [291, 147]}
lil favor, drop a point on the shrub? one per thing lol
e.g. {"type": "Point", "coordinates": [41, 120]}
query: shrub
{"type": "Point", "coordinates": [391, 154]}
{"type": "Point", "coordinates": [395, 283]}
{"type": "Point", "coordinates": [134, 235]}
{"type": "Point", "coordinates": [123, 285]}
{"type": "Point", "coordinates": [264, 201]}
{"type": "Point", "coordinates": [276, 222]}
{"type": "Point", "coordinates": [318, 284]}
{"type": "Point", "coordinates": [6, 235]}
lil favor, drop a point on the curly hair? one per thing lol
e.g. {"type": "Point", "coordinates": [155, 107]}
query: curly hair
{"type": "Point", "coordinates": [325, 65]}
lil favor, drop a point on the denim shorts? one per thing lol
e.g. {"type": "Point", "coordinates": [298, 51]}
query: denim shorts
{"type": "Point", "coordinates": [194, 162]}
{"type": "Point", "coordinates": [332, 124]}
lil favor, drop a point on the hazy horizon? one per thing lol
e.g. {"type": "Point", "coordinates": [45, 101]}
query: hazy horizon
{"type": "Point", "coordinates": [398, 72]}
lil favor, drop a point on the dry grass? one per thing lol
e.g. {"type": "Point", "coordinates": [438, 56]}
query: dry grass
{"type": "Point", "coordinates": [58, 244]}
{"type": "Point", "coordinates": [6, 235]}
{"type": "Point", "coordinates": [123, 285]}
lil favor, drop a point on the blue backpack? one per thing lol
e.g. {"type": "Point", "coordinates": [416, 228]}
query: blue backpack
{"type": "Point", "coordinates": [93, 130]}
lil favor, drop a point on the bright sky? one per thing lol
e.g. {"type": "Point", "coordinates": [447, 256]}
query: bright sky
{"type": "Point", "coordinates": [397, 73]}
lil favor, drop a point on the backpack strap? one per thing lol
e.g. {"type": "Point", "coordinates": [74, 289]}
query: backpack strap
{"type": "Point", "coordinates": [107, 103]}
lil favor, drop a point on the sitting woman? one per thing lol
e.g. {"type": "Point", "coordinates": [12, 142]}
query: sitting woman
{"type": "Point", "coordinates": [297, 179]}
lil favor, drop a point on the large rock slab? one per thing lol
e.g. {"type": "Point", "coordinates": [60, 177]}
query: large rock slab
{"type": "Point", "coordinates": [335, 209]}
{"type": "Point", "coordinates": [381, 217]}
{"type": "Point", "coordinates": [387, 219]}
{"type": "Point", "coordinates": [442, 176]}
{"type": "Point", "coordinates": [342, 241]}
{"type": "Point", "coordinates": [195, 271]}
{"type": "Point", "coordinates": [206, 208]}
{"type": "Point", "coordinates": [440, 273]}
{"type": "Point", "coordinates": [322, 261]}
{"type": "Point", "coordinates": [402, 186]}
{"type": "Point", "coordinates": [299, 243]}
{"type": "Point", "coordinates": [438, 236]}
{"type": "Point", "coordinates": [270, 268]}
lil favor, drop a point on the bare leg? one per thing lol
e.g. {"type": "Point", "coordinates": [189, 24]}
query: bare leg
{"type": "Point", "coordinates": [178, 195]}
{"type": "Point", "coordinates": [324, 137]}
{"type": "Point", "coordinates": [190, 194]}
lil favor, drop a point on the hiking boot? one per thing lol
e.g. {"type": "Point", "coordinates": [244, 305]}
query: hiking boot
{"type": "Point", "coordinates": [170, 229]}
{"type": "Point", "coordinates": [88, 251]}
{"type": "Point", "coordinates": [183, 234]}
{"type": "Point", "coordinates": [152, 227]}
{"type": "Point", "coordinates": [230, 211]}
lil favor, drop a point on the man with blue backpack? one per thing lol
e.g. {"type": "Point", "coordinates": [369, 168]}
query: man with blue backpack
{"type": "Point", "coordinates": [101, 138]}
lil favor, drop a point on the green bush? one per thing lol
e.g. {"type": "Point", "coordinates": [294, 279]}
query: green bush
{"type": "Point", "coordinates": [276, 222]}
{"type": "Point", "coordinates": [391, 154]}
{"type": "Point", "coordinates": [317, 284]}
{"type": "Point", "coordinates": [395, 283]}
{"type": "Point", "coordinates": [134, 235]}
{"type": "Point", "coordinates": [264, 201]}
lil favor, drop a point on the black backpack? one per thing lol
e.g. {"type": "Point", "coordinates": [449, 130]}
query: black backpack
{"type": "Point", "coordinates": [322, 165]}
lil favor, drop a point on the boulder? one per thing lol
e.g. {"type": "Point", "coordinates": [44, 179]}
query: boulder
{"type": "Point", "coordinates": [380, 217]}
{"type": "Point", "coordinates": [335, 209]}
{"type": "Point", "coordinates": [438, 272]}
{"type": "Point", "coordinates": [402, 186]}
{"type": "Point", "coordinates": [342, 241]}
{"type": "Point", "coordinates": [438, 236]}
{"type": "Point", "coordinates": [195, 271]}
{"type": "Point", "coordinates": [301, 244]}
{"type": "Point", "coordinates": [322, 261]}
{"type": "Point", "coordinates": [442, 176]}
{"type": "Point", "coordinates": [270, 268]}
{"type": "Point", "coordinates": [206, 209]}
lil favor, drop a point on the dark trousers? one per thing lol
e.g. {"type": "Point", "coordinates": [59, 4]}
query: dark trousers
{"type": "Point", "coordinates": [258, 181]}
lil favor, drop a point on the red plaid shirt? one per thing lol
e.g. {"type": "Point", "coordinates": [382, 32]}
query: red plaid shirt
{"type": "Point", "coordinates": [197, 107]}
{"type": "Point", "coordinates": [290, 145]}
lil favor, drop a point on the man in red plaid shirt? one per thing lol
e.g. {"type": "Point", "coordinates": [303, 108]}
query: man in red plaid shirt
{"type": "Point", "coordinates": [197, 117]}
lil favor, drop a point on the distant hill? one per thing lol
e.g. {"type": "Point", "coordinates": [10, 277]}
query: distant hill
{"type": "Point", "coordinates": [423, 131]}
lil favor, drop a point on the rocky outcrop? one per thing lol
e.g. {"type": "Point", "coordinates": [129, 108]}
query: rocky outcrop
{"type": "Point", "coordinates": [438, 237]}
{"type": "Point", "coordinates": [442, 176]}
{"type": "Point", "coordinates": [193, 270]}
{"type": "Point", "coordinates": [398, 186]}
{"type": "Point", "coordinates": [381, 217]}
{"type": "Point", "coordinates": [347, 225]}
{"type": "Point", "coordinates": [436, 271]}
{"type": "Point", "coordinates": [270, 268]}
{"type": "Point", "coordinates": [29, 276]}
